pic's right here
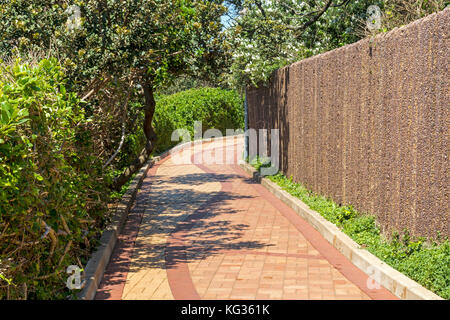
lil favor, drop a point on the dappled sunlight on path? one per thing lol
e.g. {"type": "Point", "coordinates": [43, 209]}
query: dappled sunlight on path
{"type": "Point", "coordinates": [207, 231]}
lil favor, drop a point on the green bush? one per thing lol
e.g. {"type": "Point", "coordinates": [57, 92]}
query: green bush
{"type": "Point", "coordinates": [51, 192]}
{"type": "Point", "coordinates": [215, 108]}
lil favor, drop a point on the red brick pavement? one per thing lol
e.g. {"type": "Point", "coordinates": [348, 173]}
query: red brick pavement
{"type": "Point", "coordinates": [207, 231]}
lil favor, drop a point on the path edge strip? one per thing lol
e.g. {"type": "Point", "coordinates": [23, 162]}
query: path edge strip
{"type": "Point", "coordinates": [97, 263]}
{"type": "Point", "coordinates": [396, 282]}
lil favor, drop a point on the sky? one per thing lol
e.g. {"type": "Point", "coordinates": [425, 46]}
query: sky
{"type": "Point", "coordinates": [225, 19]}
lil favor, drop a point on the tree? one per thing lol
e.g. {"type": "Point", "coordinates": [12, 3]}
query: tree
{"type": "Point", "coordinates": [139, 44]}
{"type": "Point", "coordinates": [271, 34]}
{"type": "Point", "coordinates": [268, 34]}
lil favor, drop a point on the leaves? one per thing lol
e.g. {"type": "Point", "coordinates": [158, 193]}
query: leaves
{"type": "Point", "coordinates": [215, 108]}
{"type": "Point", "coordinates": [162, 37]}
{"type": "Point", "coordinates": [48, 161]}
{"type": "Point", "coordinates": [39, 179]}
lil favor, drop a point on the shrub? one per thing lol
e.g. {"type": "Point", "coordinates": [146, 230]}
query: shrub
{"type": "Point", "coordinates": [51, 192]}
{"type": "Point", "coordinates": [215, 108]}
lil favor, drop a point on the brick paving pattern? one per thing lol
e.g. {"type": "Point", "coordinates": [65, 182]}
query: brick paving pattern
{"type": "Point", "coordinates": [207, 231]}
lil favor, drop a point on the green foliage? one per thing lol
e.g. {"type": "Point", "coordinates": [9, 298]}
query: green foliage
{"type": "Point", "coordinates": [428, 264]}
{"type": "Point", "coordinates": [183, 83]}
{"type": "Point", "coordinates": [134, 140]}
{"type": "Point", "coordinates": [118, 37]}
{"type": "Point", "coordinates": [271, 34]}
{"type": "Point", "coordinates": [51, 192]}
{"type": "Point", "coordinates": [215, 108]}
{"type": "Point", "coordinates": [115, 52]}
{"type": "Point", "coordinates": [398, 13]}
{"type": "Point", "coordinates": [268, 35]}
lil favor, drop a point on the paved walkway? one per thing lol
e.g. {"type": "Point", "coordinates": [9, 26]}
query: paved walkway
{"type": "Point", "coordinates": [207, 231]}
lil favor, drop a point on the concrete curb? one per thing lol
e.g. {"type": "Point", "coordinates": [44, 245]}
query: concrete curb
{"type": "Point", "coordinates": [96, 265]}
{"type": "Point", "coordinates": [393, 280]}
{"type": "Point", "coordinates": [95, 268]}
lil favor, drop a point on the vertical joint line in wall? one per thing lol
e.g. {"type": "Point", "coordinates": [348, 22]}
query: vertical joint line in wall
{"type": "Point", "coordinates": [316, 86]}
{"type": "Point", "coordinates": [344, 128]}
{"type": "Point", "coordinates": [245, 125]}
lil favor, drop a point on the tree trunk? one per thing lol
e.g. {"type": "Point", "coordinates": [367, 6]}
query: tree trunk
{"type": "Point", "coordinates": [149, 110]}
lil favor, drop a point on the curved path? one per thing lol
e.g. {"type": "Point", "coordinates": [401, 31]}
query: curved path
{"type": "Point", "coordinates": [205, 230]}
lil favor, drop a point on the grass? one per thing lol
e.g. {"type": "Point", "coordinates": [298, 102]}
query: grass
{"type": "Point", "coordinates": [425, 261]}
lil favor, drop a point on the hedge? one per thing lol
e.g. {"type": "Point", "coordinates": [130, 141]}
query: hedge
{"type": "Point", "coordinates": [52, 195]}
{"type": "Point", "coordinates": [215, 108]}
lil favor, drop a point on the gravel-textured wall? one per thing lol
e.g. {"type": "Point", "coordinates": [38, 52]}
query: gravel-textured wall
{"type": "Point", "coordinates": [368, 124]}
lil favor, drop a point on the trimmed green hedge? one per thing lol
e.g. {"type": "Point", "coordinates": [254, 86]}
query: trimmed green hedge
{"type": "Point", "coordinates": [216, 108]}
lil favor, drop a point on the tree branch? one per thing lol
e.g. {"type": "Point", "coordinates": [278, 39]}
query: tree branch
{"type": "Point", "coordinates": [263, 12]}
{"type": "Point", "coordinates": [149, 110]}
{"type": "Point", "coordinates": [122, 139]}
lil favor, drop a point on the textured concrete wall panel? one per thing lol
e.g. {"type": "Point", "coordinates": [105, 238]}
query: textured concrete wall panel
{"type": "Point", "coordinates": [368, 124]}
